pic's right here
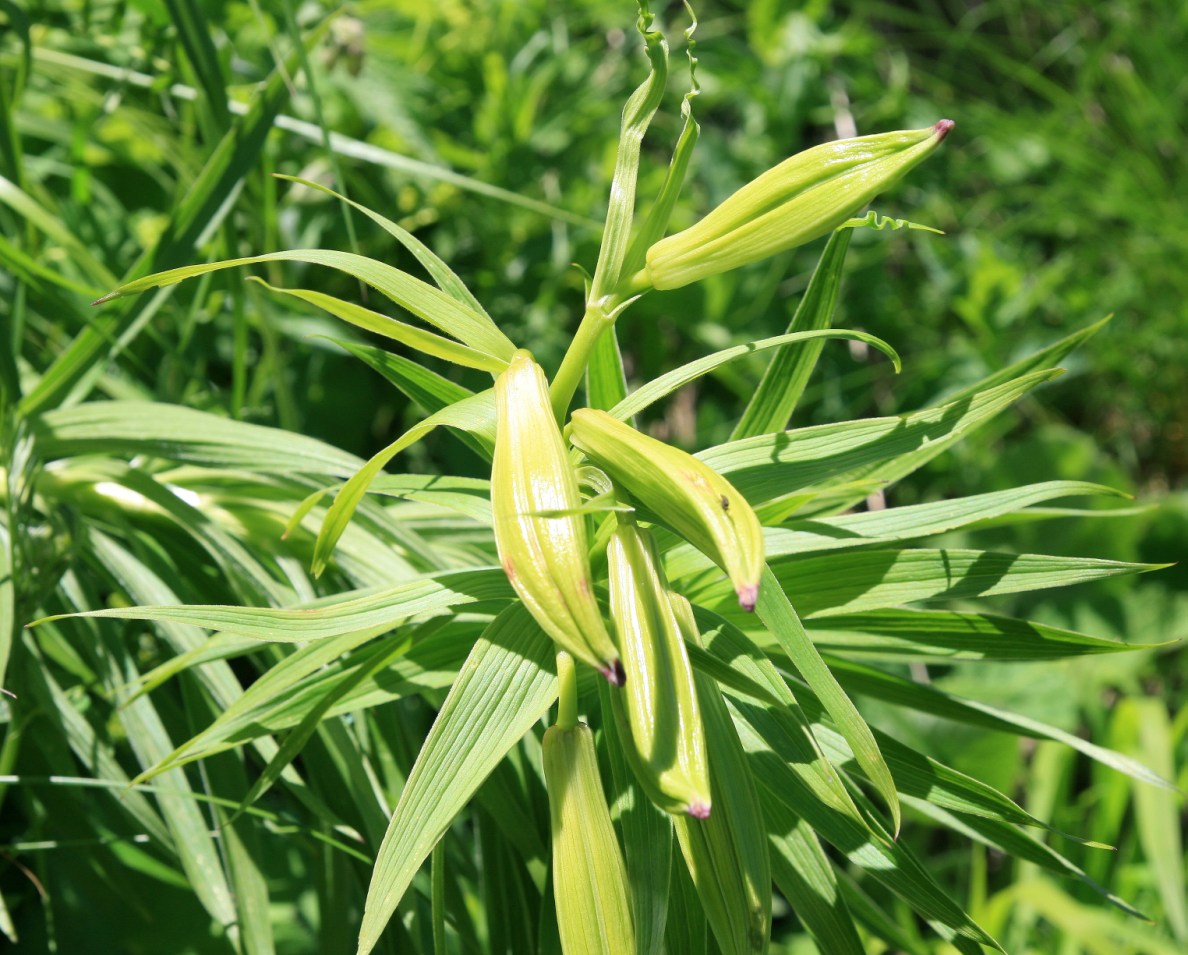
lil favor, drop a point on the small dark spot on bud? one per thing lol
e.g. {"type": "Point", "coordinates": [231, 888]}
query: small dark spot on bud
{"type": "Point", "coordinates": [725, 502]}
{"type": "Point", "coordinates": [583, 586]}
{"type": "Point", "coordinates": [699, 810]}
{"type": "Point", "coordinates": [509, 569]}
{"type": "Point", "coordinates": [943, 127]}
{"type": "Point", "coordinates": [615, 674]}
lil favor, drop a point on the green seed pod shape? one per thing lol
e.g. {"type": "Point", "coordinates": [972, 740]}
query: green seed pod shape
{"type": "Point", "coordinates": [657, 713]}
{"type": "Point", "coordinates": [804, 197]}
{"type": "Point", "coordinates": [727, 854]}
{"type": "Point", "coordinates": [546, 558]}
{"type": "Point", "coordinates": [589, 878]}
{"type": "Point", "coordinates": [687, 495]}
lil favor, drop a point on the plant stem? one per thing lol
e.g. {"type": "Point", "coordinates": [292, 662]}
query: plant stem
{"type": "Point", "coordinates": [573, 365]}
{"type": "Point", "coordinates": [567, 712]}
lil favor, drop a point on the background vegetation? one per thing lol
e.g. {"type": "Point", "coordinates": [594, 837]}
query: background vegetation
{"type": "Point", "coordinates": [488, 129]}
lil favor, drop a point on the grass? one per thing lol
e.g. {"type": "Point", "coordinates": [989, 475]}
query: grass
{"type": "Point", "coordinates": [475, 128]}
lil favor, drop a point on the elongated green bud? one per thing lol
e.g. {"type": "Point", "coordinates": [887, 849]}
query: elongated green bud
{"type": "Point", "coordinates": [657, 712]}
{"type": "Point", "coordinates": [687, 495]}
{"type": "Point", "coordinates": [589, 878]}
{"type": "Point", "coordinates": [727, 854]}
{"type": "Point", "coordinates": [802, 198]}
{"type": "Point", "coordinates": [546, 558]}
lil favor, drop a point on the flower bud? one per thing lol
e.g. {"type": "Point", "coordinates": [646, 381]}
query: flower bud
{"type": "Point", "coordinates": [589, 878]}
{"type": "Point", "coordinates": [802, 198]}
{"type": "Point", "coordinates": [682, 492]}
{"type": "Point", "coordinates": [727, 854]}
{"type": "Point", "coordinates": [546, 558]}
{"type": "Point", "coordinates": [657, 712]}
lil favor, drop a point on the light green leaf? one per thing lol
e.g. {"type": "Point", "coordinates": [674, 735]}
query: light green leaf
{"type": "Point", "coordinates": [767, 467]}
{"type": "Point", "coordinates": [505, 686]}
{"type": "Point", "coordinates": [942, 635]}
{"type": "Point", "coordinates": [474, 414]}
{"type": "Point", "coordinates": [427, 302]}
{"type": "Point", "coordinates": [374, 611]}
{"type": "Point", "coordinates": [174, 433]}
{"type": "Point", "coordinates": [872, 220]}
{"type": "Point", "coordinates": [806, 535]}
{"type": "Point", "coordinates": [410, 335]}
{"type": "Point", "coordinates": [783, 623]}
{"type": "Point", "coordinates": [876, 579]}
{"type": "Point", "coordinates": [788, 372]}
{"type": "Point", "coordinates": [669, 382]}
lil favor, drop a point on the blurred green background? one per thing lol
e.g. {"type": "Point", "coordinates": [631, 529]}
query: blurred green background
{"type": "Point", "coordinates": [488, 129]}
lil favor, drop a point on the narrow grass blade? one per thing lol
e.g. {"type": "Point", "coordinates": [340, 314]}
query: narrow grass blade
{"type": "Point", "coordinates": [788, 373]}
{"type": "Point", "coordinates": [504, 688]}
{"type": "Point", "coordinates": [782, 622]}
{"type": "Point", "coordinates": [202, 208]}
{"type": "Point", "coordinates": [1144, 722]}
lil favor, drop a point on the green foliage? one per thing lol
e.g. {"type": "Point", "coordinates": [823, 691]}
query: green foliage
{"type": "Point", "coordinates": [252, 718]}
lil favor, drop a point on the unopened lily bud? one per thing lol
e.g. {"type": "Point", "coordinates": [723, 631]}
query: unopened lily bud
{"type": "Point", "coordinates": [546, 557]}
{"type": "Point", "coordinates": [684, 493]}
{"type": "Point", "coordinates": [727, 854]}
{"type": "Point", "coordinates": [804, 197]}
{"type": "Point", "coordinates": [589, 878]}
{"type": "Point", "coordinates": [657, 712]}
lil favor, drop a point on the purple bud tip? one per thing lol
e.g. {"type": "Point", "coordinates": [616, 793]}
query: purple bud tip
{"type": "Point", "coordinates": [699, 810]}
{"type": "Point", "coordinates": [941, 129]}
{"type": "Point", "coordinates": [615, 674]}
{"type": "Point", "coordinates": [747, 596]}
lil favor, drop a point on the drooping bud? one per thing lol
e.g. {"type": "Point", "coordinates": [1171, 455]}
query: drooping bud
{"type": "Point", "coordinates": [727, 854]}
{"type": "Point", "coordinates": [589, 877]}
{"type": "Point", "coordinates": [805, 196]}
{"type": "Point", "coordinates": [657, 713]}
{"type": "Point", "coordinates": [682, 492]}
{"type": "Point", "coordinates": [546, 557]}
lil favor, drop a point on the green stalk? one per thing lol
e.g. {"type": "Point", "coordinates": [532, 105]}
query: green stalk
{"type": "Point", "coordinates": [567, 711]}
{"type": "Point", "coordinates": [577, 357]}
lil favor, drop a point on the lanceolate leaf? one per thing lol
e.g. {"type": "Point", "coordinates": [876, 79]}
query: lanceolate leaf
{"type": "Point", "coordinates": [174, 433]}
{"type": "Point", "coordinates": [426, 301]}
{"type": "Point", "coordinates": [376, 610]}
{"type": "Point", "coordinates": [953, 635]}
{"type": "Point", "coordinates": [506, 685]}
{"type": "Point", "coordinates": [474, 414]}
{"type": "Point", "coordinates": [876, 579]}
{"type": "Point", "coordinates": [410, 335]}
{"type": "Point", "coordinates": [783, 623]}
{"type": "Point", "coordinates": [769, 466]}
{"type": "Point", "coordinates": [788, 373]}
{"type": "Point", "coordinates": [891, 524]}
{"type": "Point", "coordinates": [669, 382]}
{"type": "Point", "coordinates": [867, 681]}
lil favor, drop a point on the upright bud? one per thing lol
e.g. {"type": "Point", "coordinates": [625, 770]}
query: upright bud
{"type": "Point", "coordinates": [589, 878]}
{"type": "Point", "coordinates": [546, 557]}
{"type": "Point", "coordinates": [657, 712]}
{"type": "Point", "coordinates": [802, 198]}
{"type": "Point", "coordinates": [687, 495]}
